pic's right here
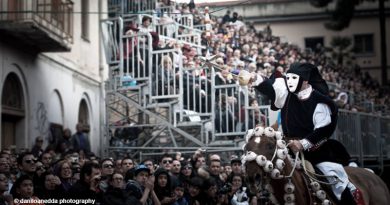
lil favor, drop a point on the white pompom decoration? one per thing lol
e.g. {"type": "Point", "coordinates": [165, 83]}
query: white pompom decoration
{"type": "Point", "coordinates": [315, 186]}
{"type": "Point", "coordinates": [261, 160]}
{"type": "Point", "coordinates": [289, 198]}
{"type": "Point", "coordinates": [243, 147]}
{"type": "Point", "coordinates": [248, 135]}
{"type": "Point", "coordinates": [278, 135]}
{"type": "Point", "coordinates": [250, 156]}
{"type": "Point", "coordinates": [281, 153]}
{"type": "Point", "coordinates": [280, 164]}
{"type": "Point", "coordinates": [289, 188]}
{"type": "Point", "coordinates": [268, 167]}
{"type": "Point", "coordinates": [326, 202]}
{"type": "Point", "coordinates": [321, 195]}
{"type": "Point", "coordinates": [269, 132]}
{"type": "Point", "coordinates": [259, 131]}
{"type": "Point", "coordinates": [281, 144]}
{"type": "Point", "coordinates": [275, 174]}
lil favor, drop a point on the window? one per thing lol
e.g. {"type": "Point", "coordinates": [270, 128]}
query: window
{"type": "Point", "coordinates": [312, 42]}
{"type": "Point", "coordinates": [84, 115]}
{"type": "Point", "coordinates": [364, 43]}
{"type": "Point", "coordinates": [85, 19]}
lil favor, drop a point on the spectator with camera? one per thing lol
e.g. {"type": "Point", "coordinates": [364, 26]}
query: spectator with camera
{"type": "Point", "coordinates": [223, 194]}
{"type": "Point", "coordinates": [87, 186]}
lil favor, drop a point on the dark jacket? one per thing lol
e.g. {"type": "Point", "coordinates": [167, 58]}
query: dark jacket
{"type": "Point", "coordinates": [81, 190]}
{"type": "Point", "coordinates": [116, 196]}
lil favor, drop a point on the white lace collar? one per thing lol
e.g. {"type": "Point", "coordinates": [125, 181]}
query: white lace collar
{"type": "Point", "coordinates": [304, 94]}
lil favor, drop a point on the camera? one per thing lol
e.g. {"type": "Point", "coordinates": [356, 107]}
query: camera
{"type": "Point", "coordinates": [225, 189]}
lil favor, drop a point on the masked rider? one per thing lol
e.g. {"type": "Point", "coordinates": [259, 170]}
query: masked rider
{"type": "Point", "coordinates": [309, 118]}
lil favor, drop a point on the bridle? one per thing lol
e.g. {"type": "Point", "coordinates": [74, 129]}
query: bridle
{"type": "Point", "coordinates": [280, 153]}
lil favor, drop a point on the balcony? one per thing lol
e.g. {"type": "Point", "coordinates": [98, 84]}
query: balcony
{"type": "Point", "coordinates": [40, 25]}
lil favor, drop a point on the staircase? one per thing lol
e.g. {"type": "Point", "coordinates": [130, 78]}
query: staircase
{"type": "Point", "coordinates": [156, 105]}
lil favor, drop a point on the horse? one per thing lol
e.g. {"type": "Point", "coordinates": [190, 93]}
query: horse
{"type": "Point", "coordinates": [278, 178]}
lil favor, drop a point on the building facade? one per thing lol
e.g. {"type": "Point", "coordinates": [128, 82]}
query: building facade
{"type": "Point", "coordinates": [51, 70]}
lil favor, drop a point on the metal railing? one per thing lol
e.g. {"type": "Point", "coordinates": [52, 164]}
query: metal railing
{"type": "Point", "coordinates": [123, 7]}
{"type": "Point", "coordinates": [55, 15]}
{"type": "Point", "coordinates": [200, 99]}
{"type": "Point", "coordinates": [366, 136]}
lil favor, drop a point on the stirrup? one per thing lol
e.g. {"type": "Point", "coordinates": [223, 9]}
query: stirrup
{"type": "Point", "coordinates": [358, 197]}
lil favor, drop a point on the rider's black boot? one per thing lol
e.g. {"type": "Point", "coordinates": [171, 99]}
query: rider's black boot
{"type": "Point", "coordinates": [347, 198]}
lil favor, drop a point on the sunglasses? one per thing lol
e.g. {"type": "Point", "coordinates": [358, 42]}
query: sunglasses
{"type": "Point", "coordinates": [30, 161]}
{"type": "Point", "coordinates": [108, 166]}
{"type": "Point", "coordinates": [167, 161]}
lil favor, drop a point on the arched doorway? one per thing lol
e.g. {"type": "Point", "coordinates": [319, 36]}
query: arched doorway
{"type": "Point", "coordinates": [84, 115]}
{"type": "Point", "coordinates": [12, 110]}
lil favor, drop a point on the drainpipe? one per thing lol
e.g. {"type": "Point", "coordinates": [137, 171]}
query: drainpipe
{"type": "Point", "coordinates": [382, 27]}
{"type": "Point", "coordinates": [102, 113]}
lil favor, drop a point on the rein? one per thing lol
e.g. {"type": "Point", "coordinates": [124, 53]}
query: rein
{"type": "Point", "coordinates": [309, 174]}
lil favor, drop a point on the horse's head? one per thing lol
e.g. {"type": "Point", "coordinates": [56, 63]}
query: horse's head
{"type": "Point", "coordinates": [264, 155]}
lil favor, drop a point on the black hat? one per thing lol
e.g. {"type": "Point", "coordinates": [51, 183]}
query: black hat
{"type": "Point", "coordinates": [301, 69]}
{"type": "Point", "coordinates": [310, 73]}
{"type": "Point", "coordinates": [141, 168]}
{"type": "Point", "coordinates": [235, 160]}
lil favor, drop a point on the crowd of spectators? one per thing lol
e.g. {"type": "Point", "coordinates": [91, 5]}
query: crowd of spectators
{"type": "Point", "coordinates": [241, 45]}
{"type": "Point", "coordinates": [42, 176]}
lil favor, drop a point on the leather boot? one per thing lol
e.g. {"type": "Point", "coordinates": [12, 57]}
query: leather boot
{"type": "Point", "coordinates": [347, 198]}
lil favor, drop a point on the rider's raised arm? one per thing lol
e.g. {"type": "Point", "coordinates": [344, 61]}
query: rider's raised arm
{"type": "Point", "coordinates": [275, 90]}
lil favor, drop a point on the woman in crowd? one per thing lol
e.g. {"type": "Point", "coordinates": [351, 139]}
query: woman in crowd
{"type": "Point", "coordinates": [162, 187]}
{"type": "Point", "coordinates": [239, 192]}
{"type": "Point", "coordinates": [64, 171]}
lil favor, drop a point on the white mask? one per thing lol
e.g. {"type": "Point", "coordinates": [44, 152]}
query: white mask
{"type": "Point", "coordinates": [292, 81]}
